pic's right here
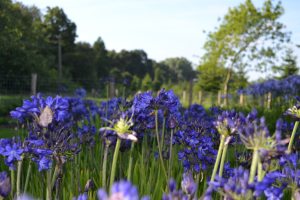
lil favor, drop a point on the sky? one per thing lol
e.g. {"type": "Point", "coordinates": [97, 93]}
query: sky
{"type": "Point", "coordinates": [162, 28]}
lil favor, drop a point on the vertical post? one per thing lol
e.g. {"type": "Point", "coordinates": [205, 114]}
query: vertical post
{"type": "Point", "coordinates": [200, 97]}
{"type": "Point", "coordinates": [59, 61]}
{"type": "Point", "coordinates": [241, 99]}
{"type": "Point", "coordinates": [33, 84]}
{"type": "Point", "coordinates": [111, 89]}
{"type": "Point", "coordinates": [117, 92]}
{"type": "Point", "coordinates": [158, 93]}
{"type": "Point", "coordinates": [269, 100]}
{"type": "Point", "coordinates": [191, 92]}
{"type": "Point", "coordinates": [184, 96]}
{"type": "Point", "coordinates": [219, 97]}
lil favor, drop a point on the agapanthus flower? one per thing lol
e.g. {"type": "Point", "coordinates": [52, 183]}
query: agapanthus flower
{"type": "Point", "coordinates": [177, 194]}
{"type": "Point", "coordinates": [4, 185]}
{"type": "Point", "coordinates": [80, 93]}
{"type": "Point", "coordinates": [125, 81]}
{"type": "Point", "coordinates": [295, 110]}
{"type": "Point", "coordinates": [121, 190]}
{"type": "Point", "coordinates": [237, 186]}
{"type": "Point", "coordinates": [13, 153]}
{"type": "Point", "coordinates": [122, 127]}
{"type": "Point", "coordinates": [165, 99]}
{"type": "Point", "coordinates": [44, 111]}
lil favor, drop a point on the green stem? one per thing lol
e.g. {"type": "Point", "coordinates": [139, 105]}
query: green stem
{"type": "Point", "coordinates": [163, 134]}
{"type": "Point", "coordinates": [12, 175]}
{"type": "Point", "coordinates": [197, 182]}
{"type": "Point", "coordinates": [218, 158]}
{"type": "Point", "coordinates": [19, 178]}
{"type": "Point", "coordinates": [170, 160]}
{"type": "Point", "coordinates": [223, 160]}
{"type": "Point", "coordinates": [159, 149]}
{"type": "Point", "coordinates": [114, 164]}
{"type": "Point", "coordinates": [104, 167]}
{"type": "Point", "coordinates": [54, 177]}
{"type": "Point", "coordinates": [49, 193]}
{"type": "Point", "coordinates": [130, 161]}
{"type": "Point", "coordinates": [293, 135]}
{"type": "Point", "coordinates": [259, 170]}
{"type": "Point", "coordinates": [253, 165]}
{"type": "Point", "coordinates": [27, 176]}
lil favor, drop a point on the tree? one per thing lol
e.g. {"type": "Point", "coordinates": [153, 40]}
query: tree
{"type": "Point", "coordinates": [289, 65]}
{"type": "Point", "coordinates": [101, 58]}
{"type": "Point", "coordinates": [55, 23]}
{"type": "Point", "coordinates": [180, 68]}
{"type": "Point", "coordinates": [135, 83]}
{"type": "Point", "coordinates": [158, 80]}
{"type": "Point", "coordinates": [146, 83]}
{"type": "Point", "coordinates": [240, 35]}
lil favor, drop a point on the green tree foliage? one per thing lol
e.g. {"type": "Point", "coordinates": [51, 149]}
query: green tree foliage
{"type": "Point", "coordinates": [179, 69]}
{"type": "Point", "coordinates": [57, 23]}
{"type": "Point", "coordinates": [101, 60]}
{"type": "Point", "coordinates": [158, 80]}
{"type": "Point", "coordinates": [146, 83]}
{"type": "Point", "coordinates": [239, 37]}
{"type": "Point", "coordinates": [135, 83]}
{"type": "Point", "coordinates": [289, 65]}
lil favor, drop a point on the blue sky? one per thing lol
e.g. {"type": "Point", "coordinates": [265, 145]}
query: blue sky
{"type": "Point", "coordinates": [162, 28]}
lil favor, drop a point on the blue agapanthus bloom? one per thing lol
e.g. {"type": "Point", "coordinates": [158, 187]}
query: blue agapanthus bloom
{"type": "Point", "coordinates": [108, 79]}
{"type": "Point", "coordinates": [188, 184]}
{"type": "Point", "coordinates": [165, 99]}
{"type": "Point", "coordinates": [58, 108]}
{"type": "Point", "coordinates": [13, 153]}
{"type": "Point", "coordinates": [80, 93]}
{"type": "Point", "coordinates": [121, 190]}
{"type": "Point", "coordinates": [4, 185]}
{"type": "Point", "coordinates": [237, 186]}
{"type": "Point", "coordinates": [125, 81]}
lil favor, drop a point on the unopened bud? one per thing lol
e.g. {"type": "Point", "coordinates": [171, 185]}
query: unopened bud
{"type": "Point", "coordinates": [166, 112]}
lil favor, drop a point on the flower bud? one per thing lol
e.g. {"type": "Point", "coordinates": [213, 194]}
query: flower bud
{"type": "Point", "coordinates": [4, 184]}
{"type": "Point", "coordinates": [172, 123]}
{"type": "Point", "coordinates": [166, 112]}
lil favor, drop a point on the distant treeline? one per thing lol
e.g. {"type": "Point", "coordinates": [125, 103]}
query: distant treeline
{"type": "Point", "coordinates": [29, 44]}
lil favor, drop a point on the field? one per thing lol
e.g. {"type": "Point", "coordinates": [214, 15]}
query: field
{"type": "Point", "coordinates": [66, 147]}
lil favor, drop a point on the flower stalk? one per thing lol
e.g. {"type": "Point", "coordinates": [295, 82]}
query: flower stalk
{"type": "Point", "coordinates": [130, 161]}
{"type": "Point", "coordinates": [19, 179]}
{"type": "Point", "coordinates": [104, 166]}
{"type": "Point", "coordinates": [293, 135]}
{"type": "Point", "coordinates": [27, 176]}
{"type": "Point", "coordinates": [253, 165]}
{"type": "Point", "coordinates": [223, 160]}
{"type": "Point", "coordinates": [170, 160]}
{"type": "Point", "coordinates": [218, 157]}
{"type": "Point", "coordinates": [114, 163]}
{"type": "Point", "coordinates": [159, 147]}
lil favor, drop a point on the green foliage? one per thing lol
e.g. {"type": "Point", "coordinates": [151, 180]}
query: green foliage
{"type": "Point", "coordinates": [157, 80]}
{"type": "Point", "coordinates": [289, 65]}
{"type": "Point", "coordinates": [146, 83]}
{"type": "Point", "coordinates": [238, 38]}
{"type": "Point", "coordinates": [179, 69]}
{"type": "Point", "coordinates": [135, 83]}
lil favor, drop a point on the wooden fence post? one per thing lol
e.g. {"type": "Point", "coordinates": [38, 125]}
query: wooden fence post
{"type": "Point", "coordinates": [184, 96]}
{"type": "Point", "coordinates": [200, 97]}
{"type": "Point", "coordinates": [33, 84]}
{"type": "Point", "coordinates": [269, 100]}
{"type": "Point", "coordinates": [117, 92]}
{"type": "Point", "coordinates": [158, 92]}
{"type": "Point", "coordinates": [191, 92]}
{"type": "Point", "coordinates": [241, 99]}
{"type": "Point", "coordinates": [219, 97]}
{"type": "Point", "coordinates": [111, 89]}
